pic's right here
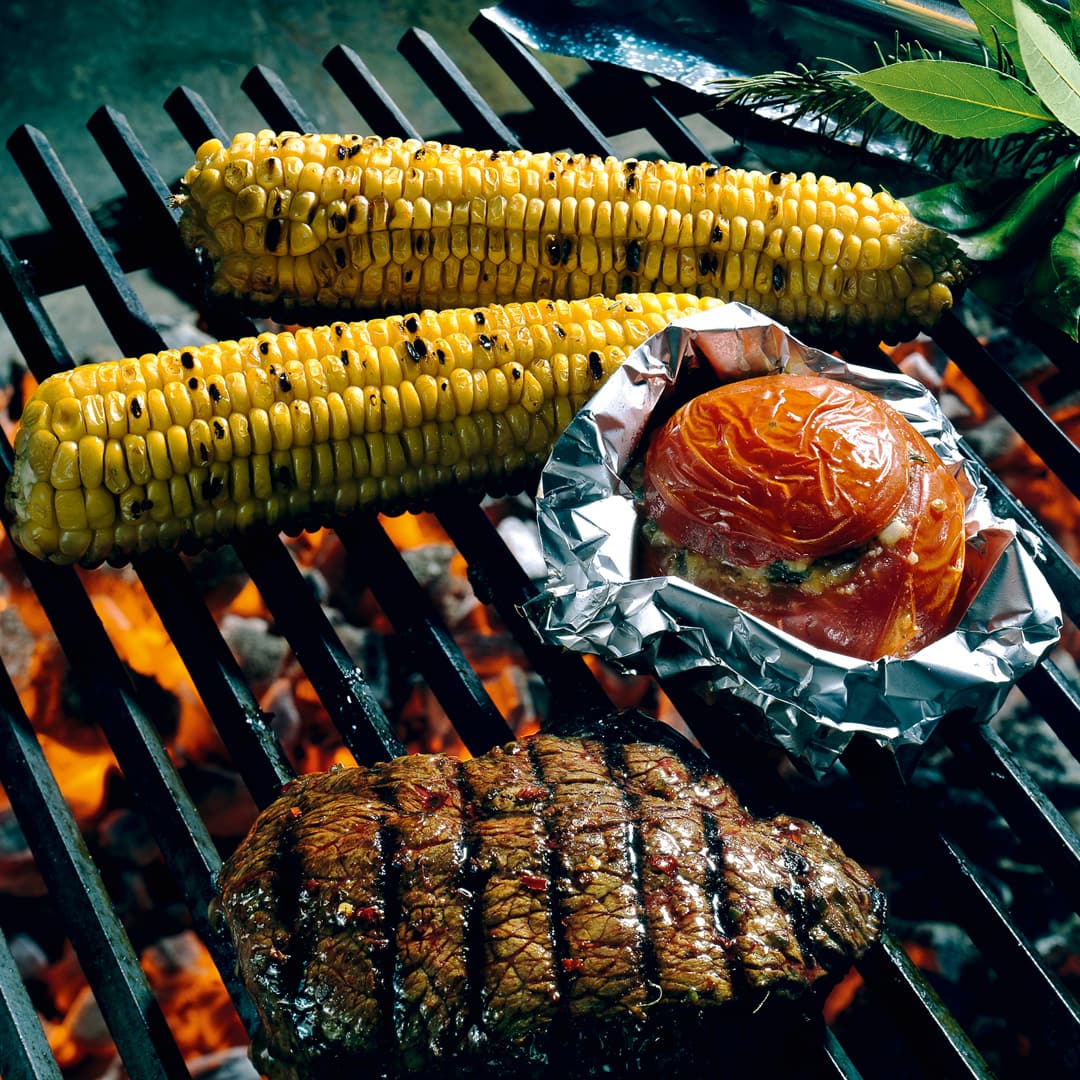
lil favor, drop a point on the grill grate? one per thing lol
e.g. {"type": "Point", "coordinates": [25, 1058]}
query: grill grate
{"type": "Point", "coordinates": [906, 819]}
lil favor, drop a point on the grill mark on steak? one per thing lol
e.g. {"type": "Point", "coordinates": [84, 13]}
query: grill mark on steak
{"type": "Point", "coordinates": [842, 913]}
{"type": "Point", "coordinates": [346, 918]}
{"type": "Point", "coordinates": [751, 869]}
{"type": "Point", "coordinates": [430, 979]}
{"type": "Point", "coordinates": [522, 982]}
{"type": "Point", "coordinates": [475, 938]}
{"type": "Point", "coordinates": [717, 893]}
{"type": "Point", "coordinates": [768, 943]}
{"type": "Point", "coordinates": [600, 917]}
{"type": "Point", "coordinates": [643, 862]}
{"type": "Point", "coordinates": [678, 881]}
{"type": "Point", "coordinates": [795, 900]}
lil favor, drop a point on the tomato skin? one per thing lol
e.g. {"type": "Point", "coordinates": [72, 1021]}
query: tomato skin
{"type": "Point", "coordinates": [785, 469]}
{"type": "Point", "coordinates": [777, 467]}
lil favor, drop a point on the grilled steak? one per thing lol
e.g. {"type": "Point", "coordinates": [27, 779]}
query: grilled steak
{"type": "Point", "coordinates": [553, 901]}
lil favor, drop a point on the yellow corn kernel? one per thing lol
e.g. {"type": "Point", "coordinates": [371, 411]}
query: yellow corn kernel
{"type": "Point", "coordinates": [40, 510]}
{"type": "Point", "coordinates": [157, 452]}
{"type": "Point", "coordinates": [64, 470]}
{"type": "Point", "coordinates": [100, 510]}
{"type": "Point", "coordinates": [68, 423]}
{"type": "Point", "coordinates": [70, 509]}
{"type": "Point", "coordinates": [38, 450]}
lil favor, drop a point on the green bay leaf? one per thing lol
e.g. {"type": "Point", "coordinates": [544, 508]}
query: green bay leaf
{"type": "Point", "coordinates": [1051, 65]}
{"type": "Point", "coordinates": [996, 23]}
{"type": "Point", "coordinates": [954, 98]}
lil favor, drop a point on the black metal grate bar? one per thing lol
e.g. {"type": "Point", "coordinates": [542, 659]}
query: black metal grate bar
{"type": "Point", "coordinates": [27, 1056]}
{"type": "Point", "coordinates": [1035, 993]}
{"type": "Point", "coordinates": [132, 165]}
{"type": "Point", "coordinates": [192, 117]}
{"type": "Point", "coordinates": [106, 955]}
{"type": "Point", "coordinates": [897, 981]}
{"type": "Point", "coordinates": [1046, 834]}
{"type": "Point", "coordinates": [341, 685]}
{"type": "Point", "coordinates": [29, 323]}
{"type": "Point", "coordinates": [499, 580]}
{"type": "Point", "coordinates": [553, 103]}
{"type": "Point", "coordinates": [367, 94]}
{"type": "Point", "coordinates": [272, 98]}
{"type": "Point", "coordinates": [112, 293]}
{"type": "Point", "coordinates": [1057, 702]}
{"type": "Point", "coordinates": [480, 124]}
{"type": "Point", "coordinates": [634, 97]}
{"type": "Point", "coordinates": [244, 727]}
{"type": "Point", "coordinates": [450, 676]}
{"type": "Point", "coordinates": [1011, 400]}
{"type": "Point", "coordinates": [112, 701]}
{"type": "Point", "coordinates": [837, 1057]}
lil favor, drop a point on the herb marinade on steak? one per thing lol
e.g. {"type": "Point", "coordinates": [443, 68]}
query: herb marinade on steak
{"type": "Point", "coordinates": [431, 914]}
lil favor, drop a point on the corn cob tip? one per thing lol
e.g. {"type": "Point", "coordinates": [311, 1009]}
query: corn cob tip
{"type": "Point", "coordinates": [333, 224]}
{"type": "Point", "coordinates": [187, 448]}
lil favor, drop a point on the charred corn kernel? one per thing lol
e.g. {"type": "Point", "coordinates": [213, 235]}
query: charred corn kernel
{"type": "Point", "coordinates": [288, 429]}
{"type": "Point", "coordinates": [429, 225]}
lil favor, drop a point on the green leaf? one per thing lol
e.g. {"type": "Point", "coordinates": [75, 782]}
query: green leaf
{"type": "Point", "coordinates": [1051, 66]}
{"type": "Point", "coordinates": [990, 16]}
{"type": "Point", "coordinates": [1053, 293]}
{"type": "Point", "coordinates": [1036, 208]}
{"type": "Point", "coordinates": [993, 218]}
{"type": "Point", "coordinates": [964, 206]}
{"type": "Point", "coordinates": [954, 98]}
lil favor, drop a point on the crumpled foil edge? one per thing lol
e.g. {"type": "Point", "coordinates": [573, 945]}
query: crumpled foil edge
{"type": "Point", "coordinates": [812, 701]}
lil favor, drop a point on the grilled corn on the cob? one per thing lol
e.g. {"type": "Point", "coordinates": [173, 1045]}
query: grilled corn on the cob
{"type": "Point", "coordinates": [184, 447]}
{"type": "Point", "coordinates": [363, 223]}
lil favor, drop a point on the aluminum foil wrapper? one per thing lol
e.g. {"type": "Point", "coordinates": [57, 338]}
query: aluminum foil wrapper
{"type": "Point", "coordinates": [812, 701]}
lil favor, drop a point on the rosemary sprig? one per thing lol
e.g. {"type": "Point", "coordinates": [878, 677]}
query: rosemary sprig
{"type": "Point", "coordinates": [826, 100]}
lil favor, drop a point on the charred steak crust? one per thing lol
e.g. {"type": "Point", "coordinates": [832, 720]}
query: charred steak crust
{"type": "Point", "coordinates": [433, 915]}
